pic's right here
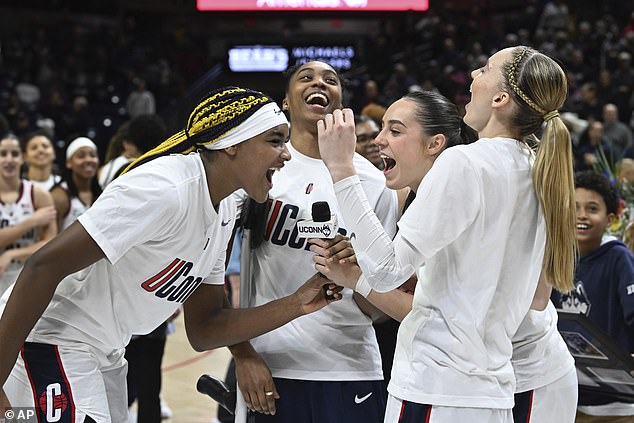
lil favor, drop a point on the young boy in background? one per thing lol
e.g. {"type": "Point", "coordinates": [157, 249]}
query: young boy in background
{"type": "Point", "coordinates": [604, 284]}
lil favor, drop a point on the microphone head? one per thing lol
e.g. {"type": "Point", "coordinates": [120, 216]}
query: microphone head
{"type": "Point", "coordinates": [321, 211]}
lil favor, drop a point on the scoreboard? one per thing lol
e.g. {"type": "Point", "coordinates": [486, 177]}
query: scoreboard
{"type": "Point", "coordinates": [312, 5]}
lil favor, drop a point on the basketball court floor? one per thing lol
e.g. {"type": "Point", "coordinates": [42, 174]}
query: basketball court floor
{"type": "Point", "coordinates": [182, 366]}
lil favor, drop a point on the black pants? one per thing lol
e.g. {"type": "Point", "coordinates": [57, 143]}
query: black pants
{"type": "Point", "coordinates": [144, 355]}
{"type": "Point", "coordinates": [386, 337]}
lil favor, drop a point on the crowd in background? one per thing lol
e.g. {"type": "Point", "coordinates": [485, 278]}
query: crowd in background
{"type": "Point", "coordinates": [70, 78]}
{"type": "Point", "coordinates": [85, 75]}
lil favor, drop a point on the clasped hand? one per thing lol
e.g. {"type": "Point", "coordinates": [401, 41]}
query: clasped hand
{"type": "Point", "coordinates": [335, 259]}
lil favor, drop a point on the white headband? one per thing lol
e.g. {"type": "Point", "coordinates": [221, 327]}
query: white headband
{"type": "Point", "coordinates": [77, 144]}
{"type": "Point", "coordinates": [267, 117]}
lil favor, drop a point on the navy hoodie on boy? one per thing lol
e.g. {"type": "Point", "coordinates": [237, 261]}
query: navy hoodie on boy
{"type": "Point", "coordinates": [604, 291]}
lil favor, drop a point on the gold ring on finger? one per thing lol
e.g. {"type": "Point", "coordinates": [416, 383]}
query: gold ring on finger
{"type": "Point", "coordinates": [268, 393]}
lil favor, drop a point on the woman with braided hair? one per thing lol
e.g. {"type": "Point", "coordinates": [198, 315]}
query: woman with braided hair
{"type": "Point", "coordinates": [490, 219]}
{"type": "Point", "coordinates": [155, 239]}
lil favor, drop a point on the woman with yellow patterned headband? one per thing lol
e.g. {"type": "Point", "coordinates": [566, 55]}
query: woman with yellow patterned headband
{"type": "Point", "coordinates": [155, 239]}
{"type": "Point", "coordinates": [490, 231]}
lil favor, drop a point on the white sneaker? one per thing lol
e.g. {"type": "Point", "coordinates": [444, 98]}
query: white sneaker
{"type": "Point", "coordinates": [166, 411]}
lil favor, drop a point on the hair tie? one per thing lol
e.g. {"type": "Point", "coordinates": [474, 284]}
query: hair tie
{"type": "Point", "coordinates": [550, 115]}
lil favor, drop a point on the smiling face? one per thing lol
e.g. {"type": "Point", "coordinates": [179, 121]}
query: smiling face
{"type": "Point", "coordinates": [592, 219]}
{"type": "Point", "coordinates": [485, 88]}
{"type": "Point", "coordinates": [10, 158]}
{"type": "Point", "coordinates": [39, 152]}
{"type": "Point", "coordinates": [403, 146]}
{"type": "Point", "coordinates": [84, 163]}
{"type": "Point", "coordinates": [260, 157]}
{"type": "Point", "coordinates": [314, 90]}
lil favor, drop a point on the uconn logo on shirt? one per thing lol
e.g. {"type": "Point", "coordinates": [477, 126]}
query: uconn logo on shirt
{"type": "Point", "coordinates": [281, 225]}
{"type": "Point", "coordinates": [174, 283]}
{"type": "Point", "coordinates": [577, 300]}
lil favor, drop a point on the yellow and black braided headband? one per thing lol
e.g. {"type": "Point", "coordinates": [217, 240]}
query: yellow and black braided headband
{"type": "Point", "coordinates": [219, 112]}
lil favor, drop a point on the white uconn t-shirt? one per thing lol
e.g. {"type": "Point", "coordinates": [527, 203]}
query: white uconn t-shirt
{"type": "Point", "coordinates": [477, 225]}
{"type": "Point", "coordinates": [337, 342]}
{"type": "Point", "coordinates": [162, 239]}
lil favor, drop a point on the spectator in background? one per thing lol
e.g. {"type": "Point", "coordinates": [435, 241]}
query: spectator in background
{"type": "Point", "coordinates": [115, 157]}
{"type": "Point", "coordinates": [26, 212]}
{"type": "Point", "coordinates": [79, 187]}
{"type": "Point", "coordinates": [141, 100]}
{"type": "Point", "coordinates": [374, 105]}
{"type": "Point", "coordinates": [607, 91]}
{"type": "Point", "coordinates": [586, 105]}
{"type": "Point", "coordinates": [592, 147]}
{"type": "Point", "coordinates": [39, 156]}
{"type": "Point", "coordinates": [144, 132]}
{"type": "Point", "coordinates": [617, 134]}
{"type": "Point", "coordinates": [366, 131]}
{"type": "Point", "coordinates": [623, 80]}
{"type": "Point", "coordinates": [398, 84]}
{"type": "Point", "coordinates": [604, 278]}
{"type": "Point", "coordinates": [555, 17]}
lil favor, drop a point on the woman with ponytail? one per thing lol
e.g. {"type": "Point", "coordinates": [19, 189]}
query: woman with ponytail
{"type": "Point", "coordinates": [154, 240]}
{"type": "Point", "coordinates": [490, 219]}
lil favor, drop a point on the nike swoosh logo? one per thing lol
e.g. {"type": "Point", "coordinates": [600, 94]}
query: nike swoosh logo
{"type": "Point", "coordinates": [358, 400]}
{"type": "Point", "coordinates": [223, 223]}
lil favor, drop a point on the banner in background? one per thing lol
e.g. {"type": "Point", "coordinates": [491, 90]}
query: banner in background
{"type": "Point", "coordinates": [311, 5]}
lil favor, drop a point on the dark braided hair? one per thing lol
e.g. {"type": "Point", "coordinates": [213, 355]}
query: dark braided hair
{"type": "Point", "coordinates": [219, 112]}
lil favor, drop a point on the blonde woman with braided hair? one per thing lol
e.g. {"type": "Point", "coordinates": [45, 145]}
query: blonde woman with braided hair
{"type": "Point", "coordinates": [153, 241]}
{"type": "Point", "coordinates": [490, 220]}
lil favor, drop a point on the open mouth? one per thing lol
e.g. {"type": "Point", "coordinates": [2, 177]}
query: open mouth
{"type": "Point", "coordinates": [583, 226]}
{"type": "Point", "coordinates": [388, 163]}
{"type": "Point", "coordinates": [270, 172]}
{"type": "Point", "coordinates": [317, 99]}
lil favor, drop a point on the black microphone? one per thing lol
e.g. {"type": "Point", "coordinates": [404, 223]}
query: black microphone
{"type": "Point", "coordinates": [320, 211]}
{"type": "Point", "coordinates": [218, 391]}
{"type": "Point", "coordinates": [322, 225]}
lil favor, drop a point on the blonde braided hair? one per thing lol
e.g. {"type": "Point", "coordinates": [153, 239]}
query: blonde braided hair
{"type": "Point", "coordinates": [512, 80]}
{"type": "Point", "coordinates": [538, 87]}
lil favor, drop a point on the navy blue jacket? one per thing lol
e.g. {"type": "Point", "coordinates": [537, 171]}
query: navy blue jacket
{"type": "Point", "coordinates": [604, 291]}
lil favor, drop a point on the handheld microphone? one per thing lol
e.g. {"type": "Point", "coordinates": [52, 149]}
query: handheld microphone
{"type": "Point", "coordinates": [218, 391]}
{"type": "Point", "coordinates": [322, 225]}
